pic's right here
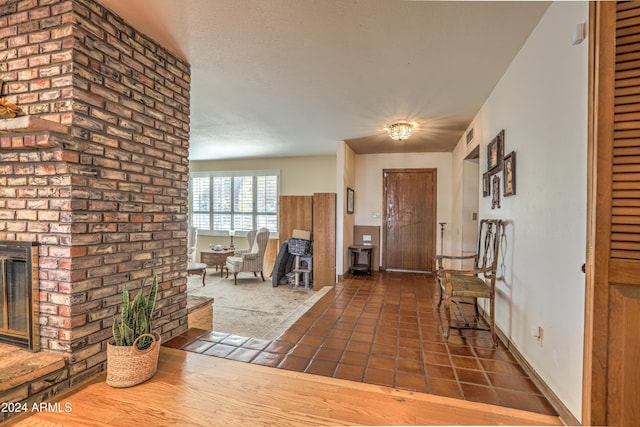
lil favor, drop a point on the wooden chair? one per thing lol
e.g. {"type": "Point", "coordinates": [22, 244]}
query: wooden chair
{"type": "Point", "coordinates": [478, 282]}
{"type": "Point", "coordinates": [251, 259]}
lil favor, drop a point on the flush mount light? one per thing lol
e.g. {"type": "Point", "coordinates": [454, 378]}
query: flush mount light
{"type": "Point", "coordinates": [400, 130]}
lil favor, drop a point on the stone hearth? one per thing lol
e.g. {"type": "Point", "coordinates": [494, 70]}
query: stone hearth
{"type": "Point", "coordinates": [23, 373]}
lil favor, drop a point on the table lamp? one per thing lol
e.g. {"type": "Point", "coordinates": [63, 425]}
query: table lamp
{"type": "Point", "coordinates": [231, 234]}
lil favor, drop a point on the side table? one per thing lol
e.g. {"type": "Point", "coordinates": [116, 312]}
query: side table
{"type": "Point", "coordinates": [356, 266]}
{"type": "Point", "coordinates": [216, 258]}
{"type": "Point", "coordinates": [197, 268]}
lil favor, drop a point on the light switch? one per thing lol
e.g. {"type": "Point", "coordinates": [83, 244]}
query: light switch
{"type": "Point", "coordinates": [579, 33]}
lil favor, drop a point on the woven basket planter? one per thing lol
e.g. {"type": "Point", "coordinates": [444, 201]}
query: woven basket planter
{"type": "Point", "coordinates": [128, 366]}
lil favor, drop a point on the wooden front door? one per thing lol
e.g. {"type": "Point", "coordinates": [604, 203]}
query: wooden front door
{"type": "Point", "coordinates": [612, 321]}
{"type": "Point", "coordinates": [409, 229]}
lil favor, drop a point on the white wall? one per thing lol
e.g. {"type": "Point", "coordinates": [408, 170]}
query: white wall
{"type": "Point", "coordinates": [455, 226]}
{"type": "Point", "coordinates": [299, 176]}
{"type": "Point", "coordinates": [345, 222]}
{"type": "Point", "coordinates": [368, 185]}
{"type": "Point", "coordinates": [469, 232]}
{"type": "Point", "coordinates": [462, 237]}
{"type": "Point", "coordinates": [541, 103]}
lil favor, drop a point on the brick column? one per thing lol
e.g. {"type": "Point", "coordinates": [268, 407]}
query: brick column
{"type": "Point", "coordinates": [106, 193]}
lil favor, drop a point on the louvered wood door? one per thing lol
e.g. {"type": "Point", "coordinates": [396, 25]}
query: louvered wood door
{"type": "Point", "coordinates": [612, 344]}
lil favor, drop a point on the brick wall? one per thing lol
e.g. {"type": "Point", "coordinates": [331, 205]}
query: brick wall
{"type": "Point", "coordinates": [107, 199]}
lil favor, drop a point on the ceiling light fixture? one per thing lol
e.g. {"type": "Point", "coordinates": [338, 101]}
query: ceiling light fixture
{"type": "Point", "coordinates": [400, 130]}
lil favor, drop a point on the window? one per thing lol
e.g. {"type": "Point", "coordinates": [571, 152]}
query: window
{"type": "Point", "coordinates": [246, 199]}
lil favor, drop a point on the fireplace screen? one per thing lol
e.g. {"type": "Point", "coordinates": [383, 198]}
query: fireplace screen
{"type": "Point", "coordinates": [19, 294]}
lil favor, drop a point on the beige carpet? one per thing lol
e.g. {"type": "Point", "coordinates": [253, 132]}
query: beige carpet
{"type": "Point", "coordinates": [253, 308]}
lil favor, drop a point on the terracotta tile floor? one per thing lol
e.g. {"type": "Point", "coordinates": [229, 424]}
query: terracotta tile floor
{"type": "Point", "coordinates": [385, 329]}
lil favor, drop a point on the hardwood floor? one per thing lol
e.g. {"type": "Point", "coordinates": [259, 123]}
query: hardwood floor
{"type": "Point", "coordinates": [191, 389]}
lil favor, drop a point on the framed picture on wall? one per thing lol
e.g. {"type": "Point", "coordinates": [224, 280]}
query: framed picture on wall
{"type": "Point", "coordinates": [494, 153]}
{"type": "Point", "coordinates": [509, 174]}
{"type": "Point", "coordinates": [495, 182]}
{"type": "Point", "coordinates": [486, 184]}
{"type": "Point", "coordinates": [350, 200]}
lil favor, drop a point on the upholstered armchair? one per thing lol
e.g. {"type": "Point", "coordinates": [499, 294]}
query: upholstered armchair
{"type": "Point", "coordinates": [192, 237]}
{"type": "Point", "coordinates": [252, 259]}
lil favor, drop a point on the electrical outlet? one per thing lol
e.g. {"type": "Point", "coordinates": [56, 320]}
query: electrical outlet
{"type": "Point", "coordinates": [538, 333]}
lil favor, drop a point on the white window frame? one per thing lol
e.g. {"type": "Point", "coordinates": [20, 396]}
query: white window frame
{"type": "Point", "coordinates": [232, 174]}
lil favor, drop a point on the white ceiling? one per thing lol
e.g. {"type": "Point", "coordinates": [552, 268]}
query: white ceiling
{"type": "Point", "coordinates": [277, 78]}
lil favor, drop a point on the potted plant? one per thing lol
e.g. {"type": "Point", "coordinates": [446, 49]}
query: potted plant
{"type": "Point", "coordinates": [132, 354]}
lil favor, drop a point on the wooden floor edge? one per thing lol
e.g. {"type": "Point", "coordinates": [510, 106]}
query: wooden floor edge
{"type": "Point", "coordinates": [341, 385]}
{"type": "Point", "coordinates": [396, 392]}
{"type": "Point", "coordinates": [432, 398]}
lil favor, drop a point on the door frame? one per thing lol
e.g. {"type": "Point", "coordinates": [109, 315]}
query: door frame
{"type": "Point", "coordinates": [469, 223]}
{"type": "Point", "coordinates": [589, 399]}
{"type": "Point", "coordinates": [383, 244]}
{"type": "Point", "coordinates": [602, 40]}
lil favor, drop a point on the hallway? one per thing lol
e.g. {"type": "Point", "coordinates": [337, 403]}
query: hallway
{"type": "Point", "coordinates": [385, 329]}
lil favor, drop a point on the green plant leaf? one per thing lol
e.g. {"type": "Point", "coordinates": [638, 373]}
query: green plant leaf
{"type": "Point", "coordinates": [143, 326]}
{"type": "Point", "coordinates": [143, 323]}
{"type": "Point", "coordinates": [136, 316]}
{"type": "Point", "coordinates": [127, 335]}
{"type": "Point", "coordinates": [117, 331]}
{"type": "Point", "coordinates": [139, 304]}
{"type": "Point", "coordinates": [126, 308]}
{"type": "Point", "coordinates": [151, 301]}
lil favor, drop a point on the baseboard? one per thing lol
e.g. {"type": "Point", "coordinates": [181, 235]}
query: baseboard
{"type": "Point", "coordinates": [563, 412]}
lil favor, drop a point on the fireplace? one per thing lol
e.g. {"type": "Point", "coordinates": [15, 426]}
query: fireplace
{"type": "Point", "coordinates": [19, 294]}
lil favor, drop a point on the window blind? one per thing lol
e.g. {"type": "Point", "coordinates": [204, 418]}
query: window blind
{"type": "Point", "coordinates": [242, 201]}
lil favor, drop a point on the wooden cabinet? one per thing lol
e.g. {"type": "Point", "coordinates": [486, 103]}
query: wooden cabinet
{"type": "Point", "coordinates": [317, 214]}
{"type": "Point", "coordinates": [324, 239]}
{"type": "Point", "coordinates": [296, 212]}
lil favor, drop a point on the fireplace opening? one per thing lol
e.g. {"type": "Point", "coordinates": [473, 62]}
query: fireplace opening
{"type": "Point", "coordinates": [19, 294]}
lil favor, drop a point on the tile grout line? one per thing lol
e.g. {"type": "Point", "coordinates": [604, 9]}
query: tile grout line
{"type": "Point", "coordinates": [363, 297]}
